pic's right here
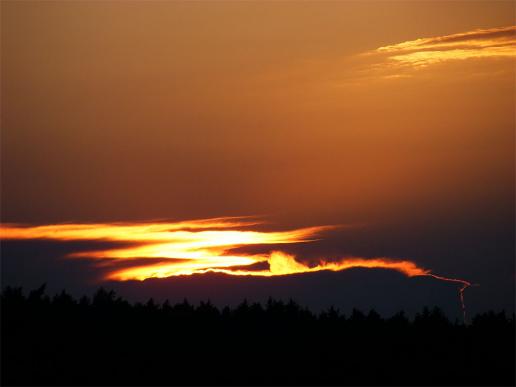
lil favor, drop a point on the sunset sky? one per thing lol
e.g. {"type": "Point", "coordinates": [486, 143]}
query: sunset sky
{"type": "Point", "coordinates": [385, 129]}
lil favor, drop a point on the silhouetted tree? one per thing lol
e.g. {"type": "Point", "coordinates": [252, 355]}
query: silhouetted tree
{"type": "Point", "coordinates": [109, 341]}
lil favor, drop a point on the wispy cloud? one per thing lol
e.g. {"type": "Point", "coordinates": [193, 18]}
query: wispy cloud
{"type": "Point", "coordinates": [398, 59]}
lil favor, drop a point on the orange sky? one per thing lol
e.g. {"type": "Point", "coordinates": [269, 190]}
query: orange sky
{"type": "Point", "coordinates": [138, 110]}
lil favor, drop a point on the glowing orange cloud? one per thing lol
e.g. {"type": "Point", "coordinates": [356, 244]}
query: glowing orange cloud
{"type": "Point", "coordinates": [191, 247]}
{"type": "Point", "coordinates": [116, 231]}
{"type": "Point", "coordinates": [201, 246]}
{"type": "Point", "coordinates": [478, 39]}
{"type": "Point", "coordinates": [419, 53]}
{"type": "Point", "coordinates": [279, 264]}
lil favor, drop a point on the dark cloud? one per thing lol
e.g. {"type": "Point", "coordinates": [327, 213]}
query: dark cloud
{"type": "Point", "coordinates": [384, 290]}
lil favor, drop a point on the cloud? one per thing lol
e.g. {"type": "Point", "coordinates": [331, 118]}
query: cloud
{"type": "Point", "coordinates": [397, 60]}
{"type": "Point", "coordinates": [164, 249]}
{"type": "Point", "coordinates": [189, 247]}
{"type": "Point", "coordinates": [196, 247]}
{"type": "Point", "coordinates": [478, 39]}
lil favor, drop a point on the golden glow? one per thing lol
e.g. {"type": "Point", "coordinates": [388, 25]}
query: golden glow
{"type": "Point", "coordinates": [192, 246]}
{"type": "Point", "coordinates": [202, 246]}
{"type": "Point", "coordinates": [117, 231]}
{"type": "Point", "coordinates": [279, 264]}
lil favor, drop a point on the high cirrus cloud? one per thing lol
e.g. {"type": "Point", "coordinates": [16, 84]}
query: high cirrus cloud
{"type": "Point", "coordinates": [490, 43]}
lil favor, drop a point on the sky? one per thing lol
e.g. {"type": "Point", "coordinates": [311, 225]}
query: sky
{"type": "Point", "coordinates": [391, 121]}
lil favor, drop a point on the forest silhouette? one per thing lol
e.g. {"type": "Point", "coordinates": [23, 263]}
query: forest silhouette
{"type": "Point", "coordinates": [106, 340]}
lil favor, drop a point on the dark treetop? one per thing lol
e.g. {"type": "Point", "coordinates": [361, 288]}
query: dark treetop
{"type": "Point", "coordinates": [108, 341]}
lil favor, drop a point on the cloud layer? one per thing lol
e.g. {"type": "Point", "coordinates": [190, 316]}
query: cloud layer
{"type": "Point", "coordinates": [203, 246]}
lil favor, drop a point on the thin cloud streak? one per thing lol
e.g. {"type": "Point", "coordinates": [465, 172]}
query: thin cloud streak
{"type": "Point", "coordinates": [486, 38]}
{"type": "Point", "coordinates": [119, 231]}
{"type": "Point", "coordinates": [398, 60]}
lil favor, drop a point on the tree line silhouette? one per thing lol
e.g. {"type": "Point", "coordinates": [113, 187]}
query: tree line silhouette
{"type": "Point", "coordinates": [106, 340]}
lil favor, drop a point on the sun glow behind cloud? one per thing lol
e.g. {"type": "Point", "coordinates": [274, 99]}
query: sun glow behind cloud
{"type": "Point", "coordinates": [202, 246]}
{"type": "Point", "coordinates": [199, 246]}
{"type": "Point", "coordinates": [191, 246]}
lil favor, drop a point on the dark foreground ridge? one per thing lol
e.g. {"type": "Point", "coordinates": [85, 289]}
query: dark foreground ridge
{"type": "Point", "coordinates": [108, 341]}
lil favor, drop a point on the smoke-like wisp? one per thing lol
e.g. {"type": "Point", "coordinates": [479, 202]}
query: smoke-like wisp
{"type": "Point", "coordinates": [465, 285]}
